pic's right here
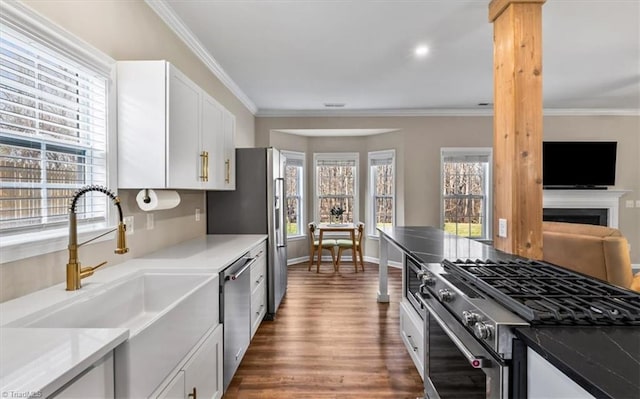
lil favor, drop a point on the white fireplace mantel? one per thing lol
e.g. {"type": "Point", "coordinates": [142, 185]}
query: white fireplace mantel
{"type": "Point", "coordinates": [586, 199]}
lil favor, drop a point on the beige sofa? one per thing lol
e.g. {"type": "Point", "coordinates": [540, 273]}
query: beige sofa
{"type": "Point", "coordinates": [598, 251]}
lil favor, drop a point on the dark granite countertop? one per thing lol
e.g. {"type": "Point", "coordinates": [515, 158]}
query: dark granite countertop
{"type": "Point", "coordinates": [432, 245]}
{"type": "Point", "coordinates": [605, 361]}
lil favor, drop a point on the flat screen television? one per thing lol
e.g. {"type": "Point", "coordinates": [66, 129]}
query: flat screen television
{"type": "Point", "coordinates": [578, 164]}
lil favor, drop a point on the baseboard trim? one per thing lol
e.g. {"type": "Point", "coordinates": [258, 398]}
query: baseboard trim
{"type": "Point", "coordinates": [301, 259]}
{"type": "Point", "coordinates": [346, 258]}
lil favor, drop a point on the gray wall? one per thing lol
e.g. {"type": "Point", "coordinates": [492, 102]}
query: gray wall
{"type": "Point", "coordinates": [418, 144]}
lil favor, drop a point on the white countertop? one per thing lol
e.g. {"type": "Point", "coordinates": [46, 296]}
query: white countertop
{"type": "Point", "coordinates": [44, 359]}
{"type": "Point", "coordinates": [39, 361]}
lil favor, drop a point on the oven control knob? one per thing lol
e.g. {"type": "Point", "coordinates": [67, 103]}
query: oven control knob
{"type": "Point", "coordinates": [482, 330]}
{"type": "Point", "coordinates": [428, 279]}
{"type": "Point", "coordinates": [469, 318]}
{"type": "Point", "coordinates": [445, 295]}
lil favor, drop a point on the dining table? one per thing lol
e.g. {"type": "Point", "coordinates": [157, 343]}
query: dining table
{"type": "Point", "coordinates": [349, 228]}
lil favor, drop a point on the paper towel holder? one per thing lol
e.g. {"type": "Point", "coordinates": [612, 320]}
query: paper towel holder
{"type": "Point", "coordinates": [146, 199]}
{"type": "Point", "coordinates": [151, 200]}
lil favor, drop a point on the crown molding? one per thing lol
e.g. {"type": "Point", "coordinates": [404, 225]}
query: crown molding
{"type": "Point", "coordinates": [591, 112]}
{"type": "Point", "coordinates": [174, 22]}
{"type": "Point", "coordinates": [275, 113]}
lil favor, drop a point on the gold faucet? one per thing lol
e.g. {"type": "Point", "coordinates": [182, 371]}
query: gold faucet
{"type": "Point", "coordinates": [75, 273]}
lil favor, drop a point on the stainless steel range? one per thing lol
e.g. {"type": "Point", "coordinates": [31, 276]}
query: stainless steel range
{"type": "Point", "coordinates": [470, 309]}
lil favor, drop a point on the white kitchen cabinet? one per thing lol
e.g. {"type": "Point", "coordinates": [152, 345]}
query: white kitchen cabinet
{"type": "Point", "coordinates": [203, 371]}
{"type": "Point", "coordinates": [545, 381]}
{"type": "Point", "coordinates": [220, 129]}
{"type": "Point", "coordinates": [411, 331]}
{"type": "Point", "coordinates": [171, 133]}
{"type": "Point", "coordinates": [200, 375]}
{"type": "Point", "coordinates": [258, 275]}
{"type": "Point", "coordinates": [229, 146]}
{"type": "Point", "coordinates": [96, 382]}
{"type": "Point", "coordinates": [213, 141]}
{"type": "Point", "coordinates": [176, 388]}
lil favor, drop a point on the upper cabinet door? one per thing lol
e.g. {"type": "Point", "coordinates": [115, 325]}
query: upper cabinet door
{"type": "Point", "coordinates": [142, 124]}
{"type": "Point", "coordinates": [212, 142]}
{"type": "Point", "coordinates": [229, 133]}
{"type": "Point", "coordinates": [186, 166]}
{"type": "Point", "coordinates": [171, 133]}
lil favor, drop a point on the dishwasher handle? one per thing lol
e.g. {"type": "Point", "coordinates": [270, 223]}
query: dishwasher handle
{"type": "Point", "coordinates": [235, 276]}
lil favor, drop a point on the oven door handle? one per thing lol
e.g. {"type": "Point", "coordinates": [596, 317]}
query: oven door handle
{"type": "Point", "coordinates": [478, 362]}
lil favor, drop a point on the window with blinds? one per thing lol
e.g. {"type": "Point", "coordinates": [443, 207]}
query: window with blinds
{"type": "Point", "coordinates": [466, 191]}
{"type": "Point", "coordinates": [381, 190]}
{"type": "Point", "coordinates": [294, 184]}
{"type": "Point", "coordinates": [336, 185]}
{"type": "Point", "coordinates": [53, 135]}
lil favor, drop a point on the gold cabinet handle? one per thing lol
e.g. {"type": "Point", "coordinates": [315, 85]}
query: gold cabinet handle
{"type": "Point", "coordinates": [227, 165]}
{"type": "Point", "coordinates": [193, 394]}
{"type": "Point", "coordinates": [206, 166]}
{"type": "Point", "coordinates": [204, 160]}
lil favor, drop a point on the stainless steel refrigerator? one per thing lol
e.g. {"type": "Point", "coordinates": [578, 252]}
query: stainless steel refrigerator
{"type": "Point", "coordinates": [257, 206]}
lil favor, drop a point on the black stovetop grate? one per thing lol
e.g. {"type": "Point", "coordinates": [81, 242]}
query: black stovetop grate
{"type": "Point", "coordinates": [543, 293]}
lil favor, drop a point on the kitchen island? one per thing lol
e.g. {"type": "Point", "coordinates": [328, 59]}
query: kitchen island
{"type": "Point", "coordinates": [603, 361]}
{"type": "Point", "coordinates": [430, 245]}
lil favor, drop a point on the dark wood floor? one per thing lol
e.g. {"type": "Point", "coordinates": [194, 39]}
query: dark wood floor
{"type": "Point", "coordinates": [330, 339]}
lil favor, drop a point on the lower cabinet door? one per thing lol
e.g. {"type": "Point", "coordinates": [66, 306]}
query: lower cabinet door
{"type": "Point", "coordinates": [258, 307]}
{"type": "Point", "coordinates": [175, 389]}
{"type": "Point", "coordinates": [203, 372]}
{"type": "Point", "coordinates": [98, 382]}
{"type": "Point", "coordinates": [412, 336]}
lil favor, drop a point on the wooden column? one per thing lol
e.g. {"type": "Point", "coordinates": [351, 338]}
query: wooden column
{"type": "Point", "coordinates": [517, 125]}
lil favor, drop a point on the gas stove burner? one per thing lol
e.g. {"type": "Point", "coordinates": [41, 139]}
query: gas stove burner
{"type": "Point", "coordinates": [614, 312]}
{"type": "Point", "coordinates": [542, 293]}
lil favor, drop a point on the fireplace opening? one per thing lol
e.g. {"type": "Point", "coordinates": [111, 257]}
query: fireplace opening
{"type": "Point", "coordinates": [573, 215]}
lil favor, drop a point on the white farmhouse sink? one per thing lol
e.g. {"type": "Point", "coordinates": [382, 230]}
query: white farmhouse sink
{"type": "Point", "coordinates": [166, 314]}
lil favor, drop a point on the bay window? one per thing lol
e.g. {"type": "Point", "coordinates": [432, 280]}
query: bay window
{"type": "Point", "coordinates": [381, 190]}
{"type": "Point", "coordinates": [336, 184]}
{"type": "Point", "coordinates": [294, 184]}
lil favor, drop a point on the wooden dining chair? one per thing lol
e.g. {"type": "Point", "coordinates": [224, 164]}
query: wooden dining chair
{"type": "Point", "coordinates": [328, 244]}
{"type": "Point", "coordinates": [346, 244]}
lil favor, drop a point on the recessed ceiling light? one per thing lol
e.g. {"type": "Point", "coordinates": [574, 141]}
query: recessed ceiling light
{"type": "Point", "coordinates": [334, 105]}
{"type": "Point", "coordinates": [421, 51]}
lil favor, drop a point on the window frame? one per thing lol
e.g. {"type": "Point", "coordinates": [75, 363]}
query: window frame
{"type": "Point", "coordinates": [340, 156]}
{"type": "Point", "coordinates": [371, 198]}
{"type": "Point", "coordinates": [300, 156]}
{"type": "Point", "coordinates": [46, 34]}
{"type": "Point", "coordinates": [487, 234]}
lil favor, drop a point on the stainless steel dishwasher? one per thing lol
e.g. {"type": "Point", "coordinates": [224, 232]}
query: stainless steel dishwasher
{"type": "Point", "coordinates": [235, 314]}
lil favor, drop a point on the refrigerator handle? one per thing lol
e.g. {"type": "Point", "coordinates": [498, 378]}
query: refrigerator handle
{"type": "Point", "coordinates": [281, 240]}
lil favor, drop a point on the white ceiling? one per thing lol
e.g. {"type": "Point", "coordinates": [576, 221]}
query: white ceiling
{"type": "Point", "coordinates": [290, 57]}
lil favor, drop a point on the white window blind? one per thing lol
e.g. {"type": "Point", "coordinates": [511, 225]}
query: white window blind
{"type": "Point", "coordinates": [53, 135]}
